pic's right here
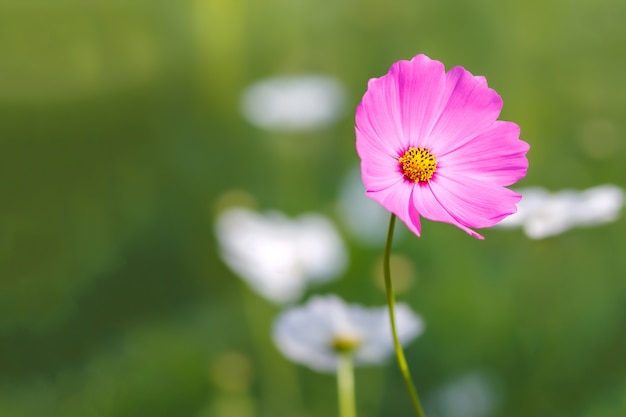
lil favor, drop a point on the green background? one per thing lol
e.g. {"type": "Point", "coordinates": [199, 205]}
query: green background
{"type": "Point", "coordinates": [120, 136]}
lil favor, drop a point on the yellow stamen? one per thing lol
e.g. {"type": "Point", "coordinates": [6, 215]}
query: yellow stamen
{"type": "Point", "coordinates": [344, 344]}
{"type": "Point", "coordinates": [418, 164]}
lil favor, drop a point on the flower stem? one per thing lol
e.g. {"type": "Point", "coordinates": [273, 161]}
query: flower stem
{"type": "Point", "coordinates": [345, 386]}
{"type": "Point", "coordinates": [404, 368]}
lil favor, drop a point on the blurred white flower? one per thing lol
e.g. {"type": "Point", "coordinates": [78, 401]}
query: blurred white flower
{"type": "Point", "coordinates": [363, 217]}
{"type": "Point", "coordinates": [470, 395]}
{"type": "Point", "coordinates": [314, 334]}
{"type": "Point", "coordinates": [601, 204]}
{"type": "Point", "coordinates": [294, 103]}
{"type": "Point", "coordinates": [279, 257]}
{"type": "Point", "coordinates": [542, 214]}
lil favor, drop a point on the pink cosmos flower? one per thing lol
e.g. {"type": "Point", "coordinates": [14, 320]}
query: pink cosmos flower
{"type": "Point", "coordinates": [431, 145]}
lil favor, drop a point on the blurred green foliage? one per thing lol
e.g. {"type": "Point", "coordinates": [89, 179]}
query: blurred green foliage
{"type": "Point", "coordinates": [120, 130]}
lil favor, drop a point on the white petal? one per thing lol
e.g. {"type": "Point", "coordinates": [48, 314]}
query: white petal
{"type": "Point", "coordinates": [598, 205]}
{"type": "Point", "coordinates": [279, 257]}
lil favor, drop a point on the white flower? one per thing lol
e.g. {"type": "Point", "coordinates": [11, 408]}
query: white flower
{"type": "Point", "coordinates": [279, 257]}
{"type": "Point", "coordinates": [315, 333]}
{"type": "Point", "coordinates": [542, 214]}
{"type": "Point", "coordinates": [295, 103]}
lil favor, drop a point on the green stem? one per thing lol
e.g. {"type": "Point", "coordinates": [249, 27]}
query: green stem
{"type": "Point", "coordinates": [404, 368]}
{"type": "Point", "coordinates": [345, 386]}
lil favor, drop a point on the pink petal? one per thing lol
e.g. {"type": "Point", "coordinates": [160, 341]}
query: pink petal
{"type": "Point", "coordinates": [496, 155]}
{"type": "Point", "coordinates": [427, 204]}
{"type": "Point", "coordinates": [379, 172]}
{"type": "Point", "coordinates": [473, 202]}
{"type": "Point", "coordinates": [378, 116]}
{"type": "Point", "coordinates": [379, 169]}
{"type": "Point", "coordinates": [482, 81]}
{"type": "Point", "coordinates": [397, 199]}
{"type": "Point", "coordinates": [421, 84]}
{"type": "Point", "coordinates": [471, 109]}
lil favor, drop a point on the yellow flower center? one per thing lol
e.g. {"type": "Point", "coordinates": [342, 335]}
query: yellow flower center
{"type": "Point", "coordinates": [418, 164]}
{"type": "Point", "coordinates": [345, 344]}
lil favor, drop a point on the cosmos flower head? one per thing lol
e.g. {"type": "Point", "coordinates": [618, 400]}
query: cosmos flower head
{"type": "Point", "coordinates": [431, 146]}
{"type": "Point", "coordinates": [315, 334]}
{"type": "Point", "coordinates": [277, 256]}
